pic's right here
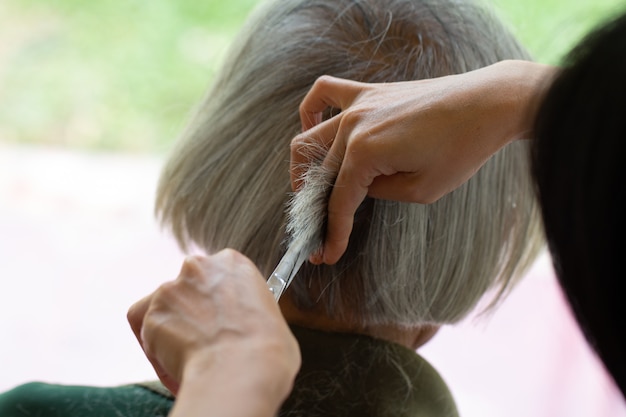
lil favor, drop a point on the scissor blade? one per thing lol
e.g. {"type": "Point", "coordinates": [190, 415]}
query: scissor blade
{"type": "Point", "coordinates": [287, 268]}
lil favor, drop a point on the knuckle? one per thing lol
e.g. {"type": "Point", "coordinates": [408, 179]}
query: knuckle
{"type": "Point", "coordinates": [298, 141]}
{"type": "Point", "coordinates": [192, 265]}
{"type": "Point", "coordinates": [195, 257]}
{"type": "Point", "coordinates": [324, 81]}
{"type": "Point", "coordinates": [361, 152]}
{"type": "Point", "coordinates": [228, 254]}
{"type": "Point", "coordinates": [167, 290]}
{"type": "Point", "coordinates": [133, 316]}
{"type": "Point", "coordinates": [230, 257]}
{"type": "Point", "coordinates": [353, 116]}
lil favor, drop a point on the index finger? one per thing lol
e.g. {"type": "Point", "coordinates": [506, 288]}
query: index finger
{"type": "Point", "coordinates": [310, 146]}
{"type": "Point", "coordinates": [350, 189]}
{"type": "Point", "coordinates": [326, 92]}
{"type": "Point", "coordinates": [136, 314]}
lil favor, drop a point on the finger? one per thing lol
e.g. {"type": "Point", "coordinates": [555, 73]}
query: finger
{"type": "Point", "coordinates": [170, 383]}
{"type": "Point", "coordinates": [326, 92]}
{"type": "Point", "coordinates": [194, 268]}
{"type": "Point", "coordinates": [348, 193]}
{"type": "Point", "coordinates": [136, 314]}
{"type": "Point", "coordinates": [408, 187]}
{"type": "Point", "coordinates": [340, 222]}
{"type": "Point", "coordinates": [401, 186]}
{"type": "Point", "coordinates": [312, 145]}
{"type": "Point", "coordinates": [159, 339]}
{"type": "Point", "coordinates": [355, 174]}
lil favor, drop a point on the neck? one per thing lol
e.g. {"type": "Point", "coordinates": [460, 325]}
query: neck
{"type": "Point", "coordinates": [411, 337]}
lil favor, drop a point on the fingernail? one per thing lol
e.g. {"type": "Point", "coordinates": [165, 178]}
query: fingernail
{"type": "Point", "coordinates": [316, 257]}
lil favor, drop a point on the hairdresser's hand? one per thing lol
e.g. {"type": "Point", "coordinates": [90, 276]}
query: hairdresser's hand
{"type": "Point", "coordinates": [217, 331]}
{"type": "Point", "coordinates": [411, 141]}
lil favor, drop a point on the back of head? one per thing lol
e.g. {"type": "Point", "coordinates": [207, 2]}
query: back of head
{"type": "Point", "coordinates": [227, 182]}
{"type": "Point", "coordinates": [578, 163]}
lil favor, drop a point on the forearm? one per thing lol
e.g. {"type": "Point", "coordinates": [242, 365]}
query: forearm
{"type": "Point", "coordinates": [214, 397]}
{"type": "Point", "coordinates": [233, 387]}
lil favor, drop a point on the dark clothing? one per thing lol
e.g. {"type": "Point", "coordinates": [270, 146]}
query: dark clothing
{"type": "Point", "coordinates": [341, 375]}
{"type": "Point", "coordinates": [44, 400]}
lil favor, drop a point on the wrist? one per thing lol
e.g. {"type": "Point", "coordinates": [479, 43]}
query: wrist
{"type": "Point", "coordinates": [234, 382]}
{"type": "Point", "coordinates": [525, 84]}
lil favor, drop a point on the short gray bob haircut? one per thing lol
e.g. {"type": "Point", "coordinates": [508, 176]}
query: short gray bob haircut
{"type": "Point", "coordinates": [227, 181]}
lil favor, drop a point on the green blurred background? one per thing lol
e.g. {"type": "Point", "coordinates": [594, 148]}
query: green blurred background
{"type": "Point", "coordinates": [122, 75]}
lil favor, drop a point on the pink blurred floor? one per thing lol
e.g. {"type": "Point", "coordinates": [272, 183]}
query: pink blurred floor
{"type": "Point", "coordinates": [78, 245]}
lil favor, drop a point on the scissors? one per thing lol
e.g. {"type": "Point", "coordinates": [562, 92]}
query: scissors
{"type": "Point", "coordinates": [287, 268]}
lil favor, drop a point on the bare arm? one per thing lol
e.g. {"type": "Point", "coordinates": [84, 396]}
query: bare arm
{"type": "Point", "coordinates": [412, 141]}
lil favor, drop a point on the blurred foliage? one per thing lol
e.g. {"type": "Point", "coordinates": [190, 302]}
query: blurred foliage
{"type": "Point", "coordinates": [108, 74]}
{"type": "Point", "coordinates": [123, 74]}
{"type": "Point", "coordinates": [550, 28]}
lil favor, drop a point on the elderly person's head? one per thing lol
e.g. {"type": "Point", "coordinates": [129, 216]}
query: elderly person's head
{"type": "Point", "coordinates": [407, 265]}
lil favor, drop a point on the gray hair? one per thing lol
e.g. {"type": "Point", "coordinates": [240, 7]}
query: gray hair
{"type": "Point", "coordinates": [227, 181]}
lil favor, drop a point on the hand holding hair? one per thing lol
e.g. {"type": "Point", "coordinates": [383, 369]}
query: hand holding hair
{"type": "Point", "coordinates": [411, 141]}
{"type": "Point", "coordinates": [216, 336]}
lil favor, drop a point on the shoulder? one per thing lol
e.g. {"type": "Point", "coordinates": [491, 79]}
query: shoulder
{"type": "Point", "coordinates": [356, 375]}
{"type": "Point", "coordinates": [50, 400]}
